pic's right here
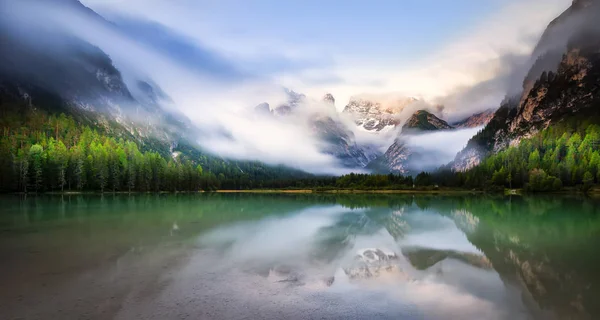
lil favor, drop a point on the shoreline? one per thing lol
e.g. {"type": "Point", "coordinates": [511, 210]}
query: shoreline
{"type": "Point", "coordinates": [506, 192]}
{"type": "Point", "coordinates": [352, 191]}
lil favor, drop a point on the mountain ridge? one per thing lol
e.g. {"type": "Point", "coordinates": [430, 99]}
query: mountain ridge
{"type": "Point", "coordinates": [402, 158]}
{"type": "Point", "coordinates": [557, 93]}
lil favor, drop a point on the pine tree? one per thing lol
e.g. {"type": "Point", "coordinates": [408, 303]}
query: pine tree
{"type": "Point", "coordinates": [36, 153]}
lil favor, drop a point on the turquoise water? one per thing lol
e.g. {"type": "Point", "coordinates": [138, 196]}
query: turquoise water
{"type": "Point", "coordinates": [248, 256]}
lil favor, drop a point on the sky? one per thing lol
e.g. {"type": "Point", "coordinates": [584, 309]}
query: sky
{"type": "Point", "coordinates": [424, 48]}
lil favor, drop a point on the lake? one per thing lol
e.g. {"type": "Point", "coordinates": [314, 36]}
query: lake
{"type": "Point", "coordinates": [286, 256]}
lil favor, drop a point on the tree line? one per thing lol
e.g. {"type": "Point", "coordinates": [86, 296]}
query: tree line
{"type": "Point", "coordinates": [565, 154]}
{"type": "Point", "coordinates": [79, 158]}
{"type": "Point", "coordinates": [41, 153]}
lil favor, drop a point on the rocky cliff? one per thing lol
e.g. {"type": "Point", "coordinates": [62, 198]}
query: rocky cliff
{"type": "Point", "coordinates": [402, 158]}
{"type": "Point", "coordinates": [477, 120]}
{"type": "Point", "coordinates": [375, 116]}
{"type": "Point", "coordinates": [563, 82]}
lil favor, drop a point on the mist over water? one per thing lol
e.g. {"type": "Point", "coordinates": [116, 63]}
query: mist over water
{"type": "Point", "coordinates": [298, 257]}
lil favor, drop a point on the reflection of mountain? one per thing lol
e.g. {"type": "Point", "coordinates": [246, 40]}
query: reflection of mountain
{"type": "Point", "coordinates": [552, 257]}
{"type": "Point", "coordinates": [529, 242]}
{"type": "Point", "coordinates": [425, 258]}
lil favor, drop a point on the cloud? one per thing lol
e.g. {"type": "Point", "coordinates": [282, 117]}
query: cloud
{"type": "Point", "coordinates": [222, 108]}
{"type": "Point", "coordinates": [216, 64]}
{"type": "Point", "coordinates": [189, 53]}
{"type": "Point", "coordinates": [356, 44]}
{"type": "Point", "coordinates": [433, 150]}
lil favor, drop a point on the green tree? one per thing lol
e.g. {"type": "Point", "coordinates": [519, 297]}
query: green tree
{"type": "Point", "coordinates": [534, 160]}
{"type": "Point", "coordinates": [36, 154]}
{"type": "Point", "coordinates": [22, 161]}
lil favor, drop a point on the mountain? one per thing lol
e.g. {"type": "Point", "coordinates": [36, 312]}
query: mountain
{"type": "Point", "coordinates": [329, 99]}
{"type": "Point", "coordinates": [375, 116]}
{"type": "Point", "coordinates": [263, 108]}
{"type": "Point", "coordinates": [40, 61]}
{"type": "Point", "coordinates": [294, 99]}
{"type": "Point", "coordinates": [477, 120]}
{"type": "Point", "coordinates": [562, 83]}
{"type": "Point", "coordinates": [402, 158]}
{"type": "Point", "coordinates": [425, 121]}
{"type": "Point", "coordinates": [326, 124]}
{"type": "Point", "coordinates": [49, 75]}
{"type": "Point", "coordinates": [339, 141]}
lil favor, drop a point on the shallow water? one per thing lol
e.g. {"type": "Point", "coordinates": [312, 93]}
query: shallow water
{"type": "Point", "coordinates": [245, 256]}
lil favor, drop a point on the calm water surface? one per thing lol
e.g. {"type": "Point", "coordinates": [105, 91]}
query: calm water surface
{"type": "Point", "coordinates": [244, 256]}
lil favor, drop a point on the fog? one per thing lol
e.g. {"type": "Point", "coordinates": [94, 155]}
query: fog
{"type": "Point", "coordinates": [223, 110]}
{"type": "Point", "coordinates": [221, 105]}
{"type": "Point", "coordinates": [512, 71]}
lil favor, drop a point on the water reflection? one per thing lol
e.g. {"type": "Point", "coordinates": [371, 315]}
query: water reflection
{"type": "Point", "coordinates": [302, 256]}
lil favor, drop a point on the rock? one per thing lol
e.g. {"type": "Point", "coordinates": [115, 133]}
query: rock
{"type": "Point", "coordinates": [399, 158]}
{"type": "Point", "coordinates": [562, 83]}
{"type": "Point", "coordinates": [475, 120]}
{"type": "Point", "coordinates": [425, 121]}
{"type": "Point", "coordinates": [376, 116]}
{"type": "Point", "coordinates": [263, 108]}
{"type": "Point", "coordinates": [329, 99]}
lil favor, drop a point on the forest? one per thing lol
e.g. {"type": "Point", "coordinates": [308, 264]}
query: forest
{"type": "Point", "coordinates": [56, 153]}
{"type": "Point", "coordinates": [40, 152]}
{"type": "Point", "coordinates": [566, 154]}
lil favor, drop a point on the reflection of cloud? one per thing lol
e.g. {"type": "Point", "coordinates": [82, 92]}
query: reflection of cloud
{"type": "Point", "coordinates": [436, 232]}
{"type": "Point", "coordinates": [277, 240]}
{"type": "Point", "coordinates": [442, 301]}
{"type": "Point", "coordinates": [449, 290]}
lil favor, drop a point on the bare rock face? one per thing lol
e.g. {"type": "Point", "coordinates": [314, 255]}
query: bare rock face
{"type": "Point", "coordinates": [395, 159]}
{"type": "Point", "coordinates": [477, 120]}
{"type": "Point", "coordinates": [562, 83]}
{"type": "Point", "coordinates": [294, 99]}
{"type": "Point", "coordinates": [329, 99]}
{"type": "Point", "coordinates": [376, 116]}
{"type": "Point", "coordinates": [467, 159]}
{"type": "Point", "coordinates": [567, 91]}
{"type": "Point", "coordinates": [399, 158]}
{"type": "Point", "coordinates": [339, 141]}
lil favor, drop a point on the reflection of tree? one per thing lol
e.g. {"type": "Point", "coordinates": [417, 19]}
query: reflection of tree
{"type": "Point", "coordinates": [423, 259]}
{"type": "Point", "coordinates": [336, 239]}
{"type": "Point", "coordinates": [546, 245]}
{"type": "Point", "coordinates": [392, 220]}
